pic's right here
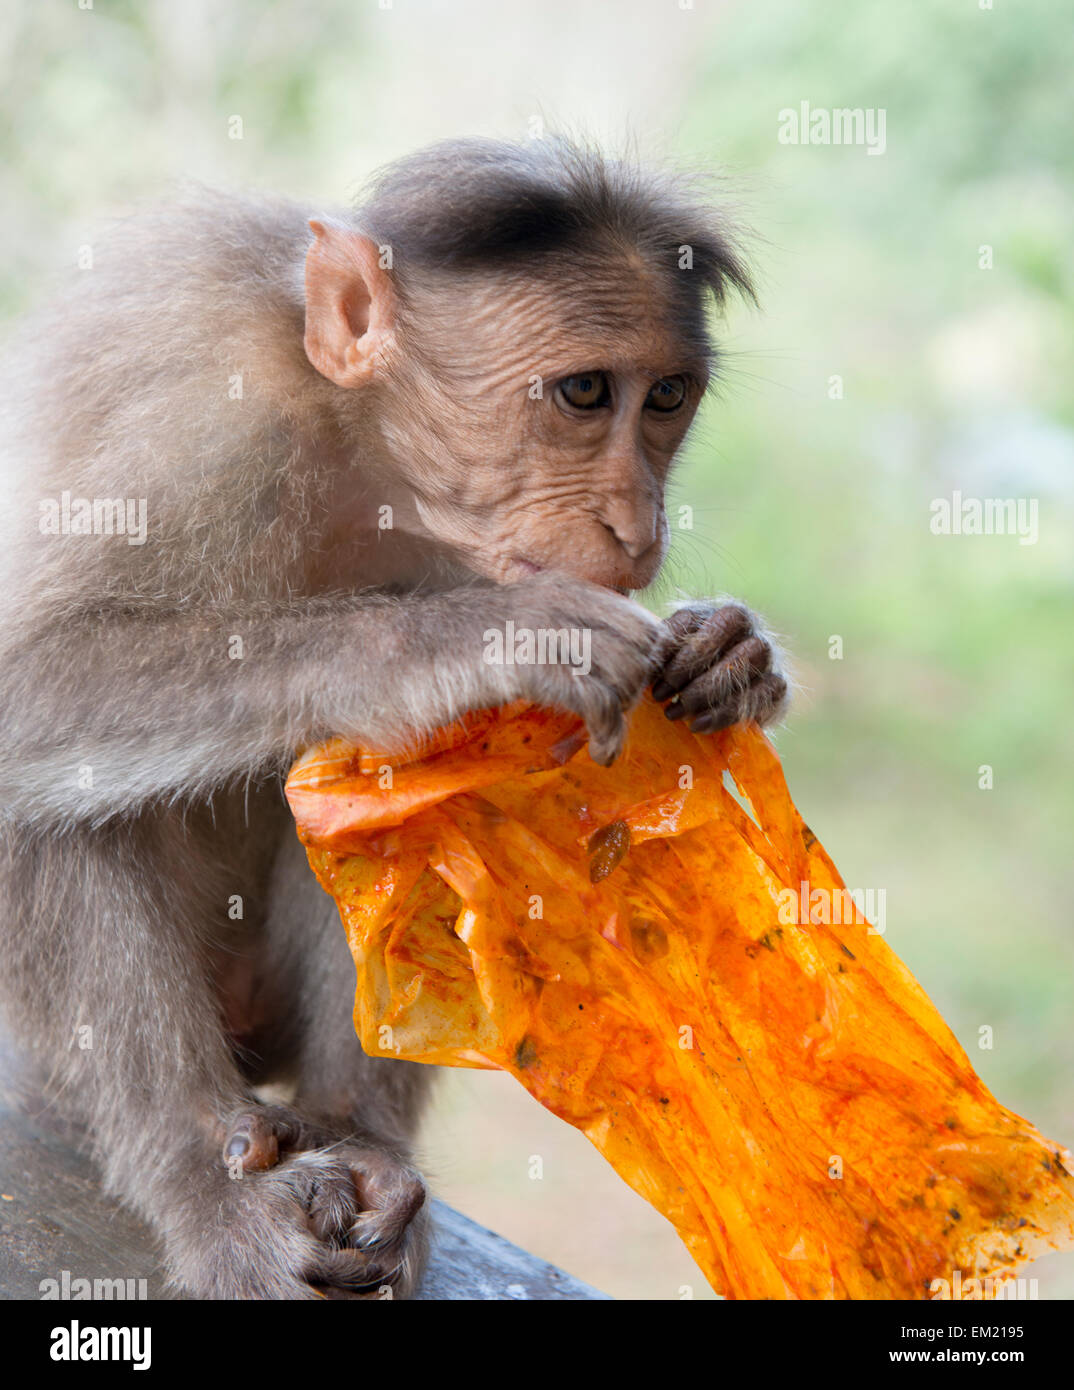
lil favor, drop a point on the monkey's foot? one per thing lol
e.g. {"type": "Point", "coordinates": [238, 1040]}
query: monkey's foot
{"type": "Point", "coordinates": [718, 667]}
{"type": "Point", "coordinates": [297, 1213]}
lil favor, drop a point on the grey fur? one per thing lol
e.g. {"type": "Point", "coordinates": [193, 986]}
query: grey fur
{"type": "Point", "coordinates": [115, 658]}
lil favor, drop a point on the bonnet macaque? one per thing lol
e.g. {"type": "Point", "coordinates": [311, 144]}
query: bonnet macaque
{"type": "Point", "coordinates": [273, 478]}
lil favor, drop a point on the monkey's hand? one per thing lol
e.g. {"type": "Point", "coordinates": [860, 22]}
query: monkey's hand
{"type": "Point", "coordinates": [717, 666]}
{"type": "Point", "coordinates": [592, 653]}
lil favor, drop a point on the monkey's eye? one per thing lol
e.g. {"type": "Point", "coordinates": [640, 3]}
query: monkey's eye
{"type": "Point", "coordinates": [586, 391]}
{"type": "Point", "coordinates": [667, 394]}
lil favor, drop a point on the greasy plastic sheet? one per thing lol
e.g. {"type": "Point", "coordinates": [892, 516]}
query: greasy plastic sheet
{"type": "Point", "coordinates": [631, 945]}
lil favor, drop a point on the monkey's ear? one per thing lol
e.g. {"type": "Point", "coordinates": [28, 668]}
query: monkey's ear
{"type": "Point", "coordinates": [350, 308]}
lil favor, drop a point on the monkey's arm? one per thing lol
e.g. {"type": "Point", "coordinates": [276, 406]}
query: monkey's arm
{"type": "Point", "coordinates": [102, 714]}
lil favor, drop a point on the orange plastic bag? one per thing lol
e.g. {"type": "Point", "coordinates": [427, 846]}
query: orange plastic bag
{"type": "Point", "coordinates": [630, 944]}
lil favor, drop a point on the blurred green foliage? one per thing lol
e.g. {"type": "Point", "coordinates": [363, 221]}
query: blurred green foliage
{"type": "Point", "coordinates": [957, 651]}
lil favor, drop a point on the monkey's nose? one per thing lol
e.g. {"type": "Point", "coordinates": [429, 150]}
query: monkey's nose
{"type": "Point", "coordinates": [635, 539]}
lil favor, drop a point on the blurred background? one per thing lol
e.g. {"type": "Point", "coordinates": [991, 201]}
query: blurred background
{"type": "Point", "coordinates": [894, 362]}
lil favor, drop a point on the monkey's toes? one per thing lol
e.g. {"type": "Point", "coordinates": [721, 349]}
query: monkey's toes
{"type": "Point", "coordinates": [348, 1218]}
{"type": "Point", "coordinates": [368, 1211]}
{"type": "Point", "coordinates": [390, 1195]}
{"type": "Point", "coordinates": [259, 1135]}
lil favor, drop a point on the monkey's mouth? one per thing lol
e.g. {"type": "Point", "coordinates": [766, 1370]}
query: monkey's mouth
{"type": "Point", "coordinates": [524, 567]}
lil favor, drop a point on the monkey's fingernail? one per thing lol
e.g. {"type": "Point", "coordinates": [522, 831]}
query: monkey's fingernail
{"type": "Point", "coordinates": [662, 690]}
{"type": "Point", "coordinates": [712, 723]}
{"type": "Point", "coordinates": [676, 710]}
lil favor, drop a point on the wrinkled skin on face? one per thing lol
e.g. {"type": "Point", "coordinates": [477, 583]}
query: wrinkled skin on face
{"type": "Point", "coordinates": [511, 471]}
{"type": "Point", "coordinates": [533, 419]}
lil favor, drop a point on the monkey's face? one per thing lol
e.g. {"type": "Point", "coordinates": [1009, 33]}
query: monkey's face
{"type": "Point", "coordinates": [555, 421]}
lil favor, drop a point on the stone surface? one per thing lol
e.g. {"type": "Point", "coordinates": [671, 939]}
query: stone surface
{"type": "Point", "coordinates": [54, 1217]}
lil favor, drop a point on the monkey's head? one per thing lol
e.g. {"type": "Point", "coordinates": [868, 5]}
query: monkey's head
{"type": "Point", "coordinates": [529, 325]}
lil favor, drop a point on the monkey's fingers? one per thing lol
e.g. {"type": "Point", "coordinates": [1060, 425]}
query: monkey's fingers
{"type": "Point", "coordinates": [716, 686]}
{"type": "Point", "coordinates": [761, 703]}
{"type": "Point", "coordinates": [739, 689]}
{"type": "Point", "coordinates": [697, 639]}
{"type": "Point", "coordinates": [603, 711]}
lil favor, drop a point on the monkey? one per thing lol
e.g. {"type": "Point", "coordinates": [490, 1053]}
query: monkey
{"type": "Point", "coordinates": [358, 439]}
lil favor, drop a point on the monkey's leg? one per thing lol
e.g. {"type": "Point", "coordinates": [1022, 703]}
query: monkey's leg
{"type": "Point", "coordinates": [112, 932]}
{"type": "Point", "coordinates": [352, 1117]}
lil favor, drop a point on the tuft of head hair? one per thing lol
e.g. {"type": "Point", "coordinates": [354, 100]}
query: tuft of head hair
{"type": "Point", "coordinates": [479, 204]}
